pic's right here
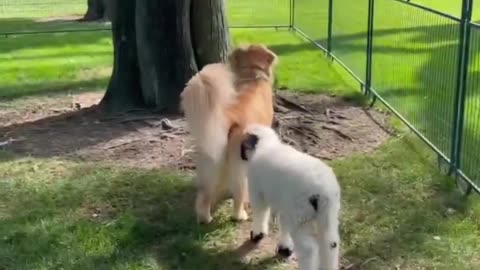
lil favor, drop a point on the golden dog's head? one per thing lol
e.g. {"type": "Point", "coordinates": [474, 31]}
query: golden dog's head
{"type": "Point", "coordinates": [248, 60]}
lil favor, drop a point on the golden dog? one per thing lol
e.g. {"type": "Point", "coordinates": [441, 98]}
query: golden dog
{"type": "Point", "coordinates": [219, 102]}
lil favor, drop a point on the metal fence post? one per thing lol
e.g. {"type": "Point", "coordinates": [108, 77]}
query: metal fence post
{"type": "Point", "coordinates": [292, 14]}
{"type": "Point", "coordinates": [461, 85]}
{"type": "Point", "coordinates": [368, 68]}
{"type": "Point", "coordinates": [330, 25]}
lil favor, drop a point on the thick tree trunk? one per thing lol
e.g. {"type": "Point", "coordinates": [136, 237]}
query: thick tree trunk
{"type": "Point", "coordinates": [165, 52]}
{"type": "Point", "coordinates": [95, 10]}
{"type": "Point", "coordinates": [210, 33]}
{"type": "Point", "coordinates": [124, 89]}
{"type": "Point", "coordinates": [162, 45]}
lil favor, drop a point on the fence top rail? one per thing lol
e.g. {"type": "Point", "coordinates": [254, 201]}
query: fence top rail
{"type": "Point", "coordinates": [475, 24]}
{"type": "Point", "coordinates": [7, 34]}
{"type": "Point", "coordinates": [427, 9]}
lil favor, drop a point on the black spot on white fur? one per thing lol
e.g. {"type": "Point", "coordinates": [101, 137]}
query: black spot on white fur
{"type": "Point", "coordinates": [284, 251]}
{"type": "Point", "coordinates": [314, 201]}
{"type": "Point", "coordinates": [256, 238]}
{"type": "Point", "coordinates": [248, 144]}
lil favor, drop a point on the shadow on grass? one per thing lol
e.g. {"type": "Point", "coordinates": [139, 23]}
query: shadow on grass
{"type": "Point", "coordinates": [42, 40]}
{"type": "Point", "coordinates": [88, 217]}
{"type": "Point", "coordinates": [52, 88]}
{"type": "Point", "coordinates": [37, 64]}
{"type": "Point", "coordinates": [391, 218]}
{"type": "Point", "coordinates": [15, 25]}
{"type": "Point", "coordinates": [102, 218]}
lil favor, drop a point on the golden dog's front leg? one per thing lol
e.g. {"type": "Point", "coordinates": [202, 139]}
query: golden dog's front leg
{"type": "Point", "coordinates": [239, 188]}
{"type": "Point", "coordinates": [207, 182]}
{"type": "Point", "coordinates": [203, 205]}
{"type": "Point", "coordinates": [239, 202]}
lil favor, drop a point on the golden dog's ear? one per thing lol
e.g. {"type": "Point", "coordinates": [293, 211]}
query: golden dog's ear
{"type": "Point", "coordinates": [233, 56]}
{"type": "Point", "coordinates": [262, 52]}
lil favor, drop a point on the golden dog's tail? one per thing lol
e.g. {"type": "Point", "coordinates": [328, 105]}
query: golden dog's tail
{"type": "Point", "coordinates": [203, 100]}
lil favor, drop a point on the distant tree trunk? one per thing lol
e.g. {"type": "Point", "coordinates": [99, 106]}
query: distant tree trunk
{"type": "Point", "coordinates": [95, 10]}
{"type": "Point", "coordinates": [159, 46]}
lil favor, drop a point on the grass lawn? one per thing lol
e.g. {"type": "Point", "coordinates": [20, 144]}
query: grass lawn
{"type": "Point", "coordinates": [398, 211]}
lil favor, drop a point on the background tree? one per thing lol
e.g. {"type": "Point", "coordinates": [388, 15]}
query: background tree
{"type": "Point", "coordinates": [96, 10]}
{"type": "Point", "coordinates": [159, 46]}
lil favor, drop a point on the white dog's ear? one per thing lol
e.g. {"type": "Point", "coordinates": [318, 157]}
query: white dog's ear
{"type": "Point", "coordinates": [248, 146]}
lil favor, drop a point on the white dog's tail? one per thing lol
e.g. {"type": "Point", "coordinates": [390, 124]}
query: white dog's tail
{"type": "Point", "coordinates": [203, 100]}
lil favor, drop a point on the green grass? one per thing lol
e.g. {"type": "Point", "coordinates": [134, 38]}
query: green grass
{"type": "Point", "coordinates": [57, 214]}
{"type": "Point", "coordinates": [73, 62]}
{"type": "Point", "coordinates": [398, 211]}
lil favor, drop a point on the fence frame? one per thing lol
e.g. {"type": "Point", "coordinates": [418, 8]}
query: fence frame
{"type": "Point", "coordinates": [454, 161]}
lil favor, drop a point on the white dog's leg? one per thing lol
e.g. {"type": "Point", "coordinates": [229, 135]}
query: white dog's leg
{"type": "Point", "coordinates": [207, 177]}
{"type": "Point", "coordinates": [239, 187]}
{"type": "Point", "coordinates": [329, 241]}
{"type": "Point", "coordinates": [260, 216]}
{"type": "Point", "coordinates": [285, 244]}
{"type": "Point", "coordinates": [306, 249]}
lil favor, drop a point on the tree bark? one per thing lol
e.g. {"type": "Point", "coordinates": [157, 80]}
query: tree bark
{"type": "Point", "coordinates": [165, 52]}
{"type": "Point", "coordinates": [211, 37]}
{"type": "Point", "coordinates": [158, 47]}
{"type": "Point", "coordinates": [95, 10]}
{"type": "Point", "coordinates": [124, 89]}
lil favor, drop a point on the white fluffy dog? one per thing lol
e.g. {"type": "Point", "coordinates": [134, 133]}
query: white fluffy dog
{"type": "Point", "coordinates": [302, 190]}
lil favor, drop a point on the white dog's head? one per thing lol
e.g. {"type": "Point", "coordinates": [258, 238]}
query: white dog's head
{"type": "Point", "coordinates": [257, 137]}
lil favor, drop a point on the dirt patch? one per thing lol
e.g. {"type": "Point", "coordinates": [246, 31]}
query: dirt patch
{"type": "Point", "coordinates": [325, 126]}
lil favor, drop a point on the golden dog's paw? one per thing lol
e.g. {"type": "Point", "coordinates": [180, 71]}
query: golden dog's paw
{"type": "Point", "coordinates": [204, 219]}
{"type": "Point", "coordinates": [240, 216]}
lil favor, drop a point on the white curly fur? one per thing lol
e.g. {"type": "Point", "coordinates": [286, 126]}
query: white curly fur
{"type": "Point", "coordinates": [288, 182]}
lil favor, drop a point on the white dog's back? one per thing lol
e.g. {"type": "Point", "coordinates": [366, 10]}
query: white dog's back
{"type": "Point", "coordinates": [293, 172]}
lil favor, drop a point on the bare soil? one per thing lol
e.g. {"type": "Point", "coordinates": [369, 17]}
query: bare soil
{"type": "Point", "coordinates": [325, 126]}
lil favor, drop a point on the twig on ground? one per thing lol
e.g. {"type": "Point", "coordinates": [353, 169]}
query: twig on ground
{"type": "Point", "coordinates": [166, 124]}
{"type": "Point", "coordinates": [304, 130]}
{"type": "Point", "coordinates": [333, 122]}
{"type": "Point", "coordinates": [331, 113]}
{"type": "Point", "coordinates": [186, 151]}
{"type": "Point", "coordinates": [60, 110]}
{"type": "Point", "coordinates": [368, 261]}
{"type": "Point", "coordinates": [9, 141]}
{"type": "Point", "coordinates": [279, 109]}
{"type": "Point", "coordinates": [120, 144]}
{"type": "Point", "coordinates": [338, 132]}
{"type": "Point", "coordinates": [138, 118]}
{"type": "Point", "coordinates": [293, 104]}
{"type": "Point", "coordinates": [288, 140]}
{"type": "Point", "coordinates": [322, 157]}
{"type": "Point", "coordinates": [165, 135]}
{"type": "Point", "coordinates": [327, 113]}
{"type": "Point", "coordinates": [348, 266]}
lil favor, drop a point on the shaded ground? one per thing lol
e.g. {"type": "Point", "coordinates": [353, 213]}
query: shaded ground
{"type": "Point", "coordinates": [325, 126]}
